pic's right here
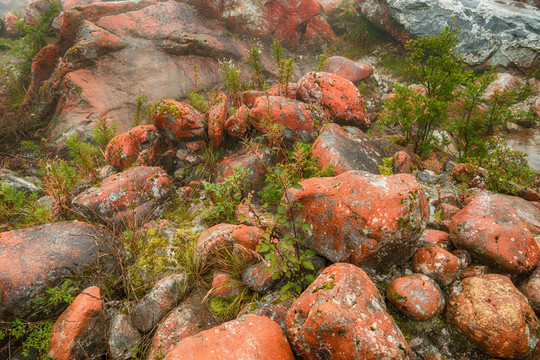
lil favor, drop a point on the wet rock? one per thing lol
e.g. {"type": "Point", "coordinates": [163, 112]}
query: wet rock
{"type": "Point", "coordinates": [224, 285]}
{"type": "Point", "coordinates": [336, 96]}
{"type": "Point", "coordinates": [178, 121]}
{"type": "Point", "coordinates": [253, 158]}
{"type": "Point", "coordinates": [125, 149]}
{"type": "Point", "coordinates": [494, 34]}
{"type": "Point", "coordinates": [16, 182]}
{"type": "Point", "coordinates": [130, 196]}
{"type": "Point", "coordinates": [111, 52]}
{"type": "Point", "coordinates": [479, 302]}
{"type": "Point", "coordinates": [163, 297]}
{"type": "Point", "coordinates": [368, 220]}
{"type": "Point", "coordinates": [238, 124]}
{"type": "Point", "coordinates": [79, 333]}
{"type": "Point", "coordinates": [227, 235]}
{"type": "Point", "coordinates": [123, 337]}
{"type": "Point", "coordinates": [347, 149]}
{"type": "Point", "coordinates": [347, 69]}
{"type": "Point", "coordinates": [417, 296]}
{"type": "Point", "coordinates": [190, 318]}
{"type": "Point", "coordinates": [217, 115]}
{"type": "Point", "coordinates": [341, 315]}
{"type": "Point", "coordinates": [402, 163]}
{"type": "Point", "coordinates": [294, 118]}
{"type": "Point", "coordinates": [273, 306]}
{"type": "Point", "coordinates": [36, 258]}
{"type": "Point", "coordinates": [258, 19]}
{"type": "Point", "coordinates": [495, 235]}
{"type": "Point", "coordinates": [252, 337]}
{"type": "Point", "coordinates": [531, 289]}
{"type": "Point", "coordinates": [438, 238]}
{"type": "Point", "coordinates": [436, 263]}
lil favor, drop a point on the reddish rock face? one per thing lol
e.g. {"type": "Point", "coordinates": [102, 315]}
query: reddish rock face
{"type": "Point", "coordinates": [318, 34]}
{"type": "Point", "coordinates": [258, 18]}
{"type": "Point", "coordinates": [217, 115]}
{"type": "Point", "coordinates": [42, 67]}
{"type": "Point", "coordinates": [296, 120]}
{"type": "Point", "coordinates": [227, 235]}
{"type": "Point", "coordinates": [438, 238]}
{"type": "Point", "coordinates": [273, 306]}
{"type": "Point", "coordinates": [347, 149]}
{"type": "Point", "coordinates": [9, 20]}
{"type": "Point", "coordinates": [124, 149]}
{"type": "Point", "coordinates": [495, 235]}
{"type": "Point", "coordinates": [494, 315]}
{"type": "Point", "coordinates": [238, 124]}
{"type": "Point", "coordinates": [178, 121]}
{"type": "Point", "coordinates": [252, 337]}
{"type": "Point", "coordinates": [368, 220]}
{"type": "Point", "coordinates": [526, 210]}
{"type": "Point", "coordinates": [129, 196]}
{"type": "Point", "coordinates": [475, 270]}
{"type": "Point", "coordinates": [189, 318]}
{"type": "Point", "coordinates": [34, 259]}
{"type": "Point", "coordinates": [342, 316]}
{"type": "Point", "coordinates": [503, 82]}
{"type": "Point", "coordinates": [280, 90]}
{"type": "Point", "coordinates": [436, 263]}
{"type": "Point", "coordinates": [80, 329]}
{"type": "Point", "coordinates": [417, 296]}
{"type": "Point", "coordinates": [347, 68]}
{"type": "Point", "coordinates": [336, 96]}
{"type": "Point", "coordinates": [123, 337]}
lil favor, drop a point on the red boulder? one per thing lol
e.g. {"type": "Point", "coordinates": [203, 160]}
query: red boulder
{"type": "Point", "coordinates": [178, 121]}
{"type": "Point", "coordinates": [347, 68]}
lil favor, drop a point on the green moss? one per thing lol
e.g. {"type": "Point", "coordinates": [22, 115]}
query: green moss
{"type": "Point", "coordinates": [284, 297]}
{"type": "Point", "coordinates": [324, 286]}
{"type": "Point", "coordinates": [162, 108]}
{"type": "Point", "coordinates": [438, 215]}
{"type": "Point", "coordinates": [387, 167]}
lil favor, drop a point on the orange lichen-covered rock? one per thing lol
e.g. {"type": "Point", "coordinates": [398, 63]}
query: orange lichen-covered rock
{"type": "Point", "coordinates": [217, 115]}
{"type": "Point", "coordinates": [36, 258]}
{"type": "Point", "coordinates": [9, 22]}
{"type": "Point", "coordinates": [225, 285]}
{"type": "Point", "coordinates": [417, 296]}
{"type": "Point", "coordinates": [238, 124]}
{"type": "Point", "coordinates": [347, 149]}
{"type": "Point", "coordinates": [371, 221]}
{"type": "Point", "coordinates": [431, 237]}
{"type": "Point", "coordinates": [338, 97]}
{"type": "Point", "coordinates": [494, 315]}
{"type": "Point", "coordinates": [131, 195]}
{"type": "Point", "coordinates": [293, 117]}
{"type": "Point", "coordinates": [124, 149]}
{"type": "Point", "coordinates": [42, 67]}
{"type": "Point", "coordinates": [288, 91]}
{"type": "Point", "coordinates": [494, 234]}
{"type": "Point", "coordinates": [228, 235]}
{"type": "Point", "coordinates": [436, 263]}
{"type": "Point", "coordinates": [318, 34]}
{"type": "Point", "coordinates": [178, 121]}
{"type": "Point", "coordinates": [251, 337]}
{"type": "Point", "coordinates": [80, 330]}
{"type": "Point", "coordinates": [342, 316]}
{"type": "Point", "coordinates": [402, 163]}
{"type": "Point", "coordinates": [347, 68]}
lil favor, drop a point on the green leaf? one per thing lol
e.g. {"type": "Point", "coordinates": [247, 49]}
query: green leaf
{"type": "Point", "coordinates": [307, 264]}
{"type": "Point", "coordinates": [306, 227]}
{"type": "Point", "coordinates": [297, 186]}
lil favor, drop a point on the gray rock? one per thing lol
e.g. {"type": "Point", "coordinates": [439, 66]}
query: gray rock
{"type": "Point", "coordinates": [11, 179]}
{"type": "Point", "coordinates": [123, 337]}
{"type": "Point", "coordinates": [494, 33]}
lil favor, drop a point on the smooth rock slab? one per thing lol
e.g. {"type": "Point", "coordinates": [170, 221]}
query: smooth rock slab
{"type": "Point", "coordinates": [494, 315]}
{"type": "Point", "coordinates": [36, 258]}
{"type": "Point", "coordinates": [127, 197]}
{"type": "Point", "coordinates": [342, 316]}
{"type": "Point", "coordinates": [369, 220]}
{"type": "Point", "coordinates": [249, 338]}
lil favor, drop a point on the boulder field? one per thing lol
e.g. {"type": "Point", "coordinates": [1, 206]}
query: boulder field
{"type": "Point", "coordinates": [400, 266]}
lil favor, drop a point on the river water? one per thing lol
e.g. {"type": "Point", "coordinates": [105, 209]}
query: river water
{"type": "Point", "coordinates": [527, 141]}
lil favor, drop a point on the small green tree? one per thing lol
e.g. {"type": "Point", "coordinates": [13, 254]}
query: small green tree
{"type": "Point", "coordinates": [439, 72]}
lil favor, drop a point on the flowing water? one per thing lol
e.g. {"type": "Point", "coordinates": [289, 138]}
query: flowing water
{"type": "Point", "coordinates": [527, 141]}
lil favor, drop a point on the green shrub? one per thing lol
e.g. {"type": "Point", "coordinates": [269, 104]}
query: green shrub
{"type": "Point", "coordinates": [103, 133]}
{"type": "Point", "coordinates": [19, 209]}
{"type": "Point", "coordinates": [254, 62]}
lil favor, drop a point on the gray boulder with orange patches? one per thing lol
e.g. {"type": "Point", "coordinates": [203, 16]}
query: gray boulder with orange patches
{"type": "Point", "coordinates": [35, 259]}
